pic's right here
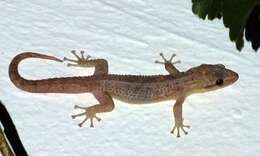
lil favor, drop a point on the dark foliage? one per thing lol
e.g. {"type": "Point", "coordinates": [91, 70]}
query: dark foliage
{"type": "Point", "coordinates": [253, 28]}
{"type": "Point", "coordinates": [238, 15]}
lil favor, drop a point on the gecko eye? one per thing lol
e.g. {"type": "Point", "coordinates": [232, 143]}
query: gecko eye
{"type": "Point", "coordinates": [219, 82]}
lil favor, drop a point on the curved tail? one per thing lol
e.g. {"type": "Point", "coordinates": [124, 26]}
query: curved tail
{"type": "Point", "coordinates": [17, 79]}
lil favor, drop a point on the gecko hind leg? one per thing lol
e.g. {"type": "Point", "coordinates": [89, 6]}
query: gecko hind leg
{"type": "Point", "coordinates": [81, 60]}
{"type": "Point", "coordinates": [88, 113]}
{"type": "Point", "coordinates": [106, 105]}
{"type": "Point", "coordinates": [101, 65]}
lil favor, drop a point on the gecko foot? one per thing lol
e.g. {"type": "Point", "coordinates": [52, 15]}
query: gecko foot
{"type": "Point", "coordinates": [81, 60]}
{"type": "Point", "coordinates": [89, 113]}
{"type": "Point", "coordinates": [165, 61]}
{"type": "Point", "coordinates": [179, 126]}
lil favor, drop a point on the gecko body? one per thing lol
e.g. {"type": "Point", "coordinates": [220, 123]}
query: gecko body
{"type": "Point", "coordinates": [130, 88]}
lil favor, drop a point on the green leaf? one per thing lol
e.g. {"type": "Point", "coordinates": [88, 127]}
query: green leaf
{"type": "Point", "coordinates": [235, 14]}
{"type": "Point", "coordinates": [252, 28]}
{"type": "Point", "coordinates": [212, 8]}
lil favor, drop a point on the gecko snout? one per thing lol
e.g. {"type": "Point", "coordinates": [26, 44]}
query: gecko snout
{"type": "Point", "coordinates": [232, 77]}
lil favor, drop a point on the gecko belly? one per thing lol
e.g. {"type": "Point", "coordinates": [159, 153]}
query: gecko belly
{"type": "Point", "coordinates": [138, 100]}
{"type": "Point", "coordinates": [142, 95]}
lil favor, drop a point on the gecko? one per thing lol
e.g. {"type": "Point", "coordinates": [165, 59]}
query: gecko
{"type": "Point", "coordinates": [135, 89]}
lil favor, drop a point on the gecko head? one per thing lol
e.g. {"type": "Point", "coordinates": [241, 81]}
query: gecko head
{"type": "Point", "coordinates": [212, 77]}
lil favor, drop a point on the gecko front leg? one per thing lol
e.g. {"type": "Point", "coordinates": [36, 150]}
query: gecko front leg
{"type": "Point", "coordinates": [177, 108]}
{"type": "Point", "coordinates": [169, 65]}
{"type": "Point", "coordinates": [177, 112]}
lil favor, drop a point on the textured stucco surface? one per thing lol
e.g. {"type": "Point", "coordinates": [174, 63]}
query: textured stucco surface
{"type": "Point", "coordinates": [129, 34]}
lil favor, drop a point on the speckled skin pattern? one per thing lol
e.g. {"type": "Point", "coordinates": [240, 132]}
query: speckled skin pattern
{"type": "Point", "coordinates": [136, 89]}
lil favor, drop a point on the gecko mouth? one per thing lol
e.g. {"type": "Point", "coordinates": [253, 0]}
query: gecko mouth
{"type": "Point", "coordinates": [232, 79]}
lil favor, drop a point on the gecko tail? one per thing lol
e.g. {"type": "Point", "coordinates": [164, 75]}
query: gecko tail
{"type": "Point", "coordinates": [14, 75]}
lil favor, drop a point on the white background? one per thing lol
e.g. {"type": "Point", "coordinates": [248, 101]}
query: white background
{"type": "Point", "coordinates": [130, 34]}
